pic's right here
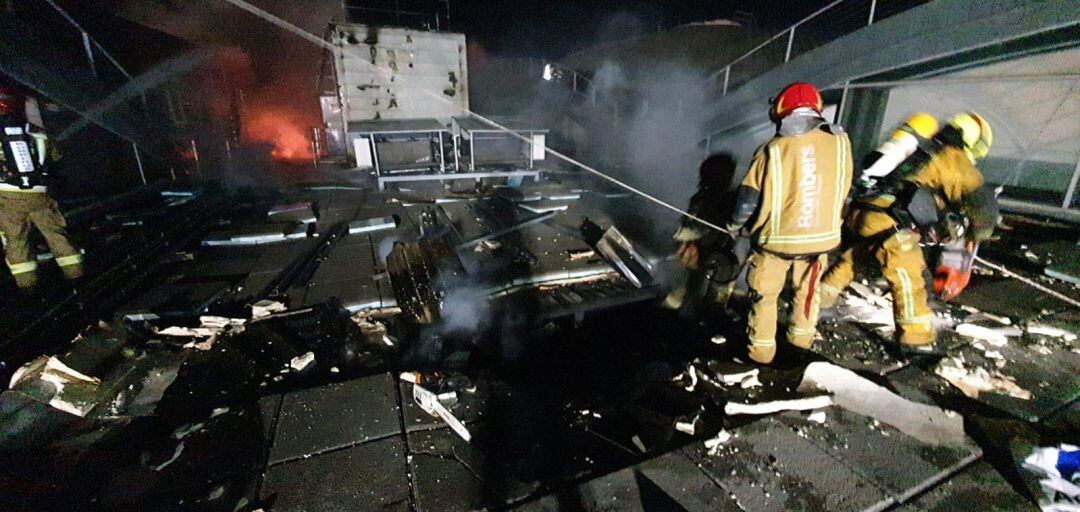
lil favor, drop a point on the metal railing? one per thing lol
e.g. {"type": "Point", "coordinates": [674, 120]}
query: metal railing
{"type": "Point", "coordinates": [829, 23]}
{"type": "Point", "coordinates": [90, 46]}
{"type": "Point", "coordinates": [89, 43]}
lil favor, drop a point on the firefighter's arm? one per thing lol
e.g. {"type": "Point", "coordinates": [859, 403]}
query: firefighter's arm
{"type": "Point", "coordinates": [983, 212]}
{"type": "Point", "coordinates": [749, 192]}
{"type": "Point", "coordinates": [964, 187]}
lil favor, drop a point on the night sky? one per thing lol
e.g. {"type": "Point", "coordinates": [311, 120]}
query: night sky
{"type": "Point", "coordinates": [551, 29]}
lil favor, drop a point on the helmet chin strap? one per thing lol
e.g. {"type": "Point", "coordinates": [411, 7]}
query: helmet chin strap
{"type": "Point", "coordinates": [805, 111]}
{"type": "Point", "coordinates": [800, 121]}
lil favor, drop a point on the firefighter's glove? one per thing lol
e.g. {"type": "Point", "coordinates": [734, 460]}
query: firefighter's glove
{"type": "Point", "coordinates": [688, 255]}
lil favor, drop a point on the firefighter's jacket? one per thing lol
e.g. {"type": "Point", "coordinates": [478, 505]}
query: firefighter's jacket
{"type": "Point", "coordinates": [957, 186]}
{"type": "Point", "coordinates": [792, 197]}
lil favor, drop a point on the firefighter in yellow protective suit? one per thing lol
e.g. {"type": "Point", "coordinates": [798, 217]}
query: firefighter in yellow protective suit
{"type": "Point", "coordinates": [711, 261]}
{"type": "Point", "coordinates": [790, 202]}
{"type": "Point", "coordinates": [24, 200]}
{"type": "Point", "coordinates": [886, 225]}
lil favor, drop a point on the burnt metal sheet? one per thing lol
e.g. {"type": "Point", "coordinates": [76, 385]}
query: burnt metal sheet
{"type": "Point", "coordinates": [595, 296]}
{"type": "Point", "coordinates": [185, 299]}
{"type": "Point", "coordinates": [465, 219]}
{"type": "Point", "coordinates": [360, 294]}
{"type": "Point", "coordinates": [519, 225]}
{"type": "Point", "coordinates": [258, 234]}
{"type": "Point", "coordinates": [334, 416]}
{"type": "Point", "coordinates": [767, 466]}
{"type": "Point", "coordinates": [1067, 419]}
{"type": "Point", "coordinates": [371, 476]}
{"type": "Point", "coordinates": [276, 257]}
{"type": "Point", "coordinates": [896, 462]}
{"type": "Point", "coordinates": [619, 490]}
{"type": "Point", "coordinates": [978, 487]}
{"type": "Point", "coordinates": [1009, 297]}
{"type": "Point", "coordinates": [219, 269]}
{"type": "Point", "coordinates": [470, 408]}
{"type": "Point", "coordinates": [353, 263]}
{"type": "Point", "coordinates": [450, 474]}
{"type": "Point", "coordinates": [302, 212]}
{"type": "Point", "coordinates": [683, 483]}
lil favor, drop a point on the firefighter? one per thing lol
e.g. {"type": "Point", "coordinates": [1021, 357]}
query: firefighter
{"type": "Point", "coordinates": [790, 203]}
{"type": "Point", "coordinates": [886, 226]}
{"type": "Point", "coordinates": [711, 261]}
{"type": "Point", "coordinates": [24, 199]}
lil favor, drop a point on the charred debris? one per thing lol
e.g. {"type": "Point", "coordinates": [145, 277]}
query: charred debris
{"type": "Point", "coordinates": [419, 350]}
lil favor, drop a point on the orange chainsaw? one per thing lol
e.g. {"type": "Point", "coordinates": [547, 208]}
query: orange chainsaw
{"type": "Point", "coordinates": [953, 269]}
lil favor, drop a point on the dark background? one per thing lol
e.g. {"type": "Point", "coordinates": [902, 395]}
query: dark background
{"type": "Point", "coordinates": [552, 29]}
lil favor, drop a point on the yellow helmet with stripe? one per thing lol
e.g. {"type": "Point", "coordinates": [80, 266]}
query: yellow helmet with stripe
{"type": "Point", "coordinates": [976, 133]}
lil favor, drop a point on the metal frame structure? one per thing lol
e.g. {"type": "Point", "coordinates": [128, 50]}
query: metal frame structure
{"type": "Point", "coordinates": [474, 130]}
{"type": "Point", "coordinates": [434, 131]}
{"type": "Point", "coordinates": [430, 129]}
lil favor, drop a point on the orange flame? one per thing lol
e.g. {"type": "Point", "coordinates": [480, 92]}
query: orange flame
{"type": "Point", "coordinates": [281, 130]}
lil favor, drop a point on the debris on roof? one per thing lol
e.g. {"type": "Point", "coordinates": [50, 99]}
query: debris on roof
{"type": "Point", "coordinates": [49, 380]}
{"type": "Point", "coordinates": [357, 227]}
{"type": "Point", "coordinates": [972, 381]}
{"type": "Point", "coordinates": [794, 404]}
{"type": "Point", "coordinates": [265, 308]}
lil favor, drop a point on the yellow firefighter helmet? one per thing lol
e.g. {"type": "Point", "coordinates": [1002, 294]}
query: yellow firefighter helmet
{"type": "Point", "coordinates": [976, 133]}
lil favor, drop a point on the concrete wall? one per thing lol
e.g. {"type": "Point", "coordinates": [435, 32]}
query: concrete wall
{"type": "Point", "coordinates": [396, 73]}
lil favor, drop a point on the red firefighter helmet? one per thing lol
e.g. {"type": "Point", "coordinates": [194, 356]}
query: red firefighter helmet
{"type": "Point", "coordinates": [796, 95]}
{"type": "Point", "coordinates": [9, 100]}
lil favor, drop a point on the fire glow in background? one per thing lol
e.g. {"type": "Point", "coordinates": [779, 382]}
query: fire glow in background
{"type": "Point", "coordinates": [281, 129]}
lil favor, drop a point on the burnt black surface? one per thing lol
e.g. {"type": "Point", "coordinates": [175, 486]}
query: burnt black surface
{"type": "Point", "coordinates": [567, 392]}
{"type": "Point", "coordinates": [334, 416]}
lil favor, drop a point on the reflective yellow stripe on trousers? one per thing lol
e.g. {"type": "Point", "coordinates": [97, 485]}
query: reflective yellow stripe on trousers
{"type": "Point", "coordinates": [22, 268]}
{"type": "Point", "coordinates": [909, 298]}
{"type": "Point", "coordinates": [67, 261]}
{"type": "Point", "coordinates": [759, 342]}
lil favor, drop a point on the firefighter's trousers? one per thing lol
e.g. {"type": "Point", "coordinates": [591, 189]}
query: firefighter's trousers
{"type": "Point", "coordinates": [768, 275]}
{"type": "Point", "coordinates": [20, 210]}
{"type": "Point", "coordinates": [901, 261]}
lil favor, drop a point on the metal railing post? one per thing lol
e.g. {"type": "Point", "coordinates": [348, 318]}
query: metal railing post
{"type": "Point", "coordinates": [790, 40]}
{"type": "Point", "coordinates": [89, 52]}
{"type": "Point", "coordinates": [1070, 193]}
{"type": "Point", "coordinates": [843, 103]}
{"type": "Point", "coordinates": [195, 153]}
{"type": "Point", "coordinates": [873, 7]}
{"type": "Point", "coordinates": [138, 161]}
{"type": "Point", "coordinates": [727, 77]}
